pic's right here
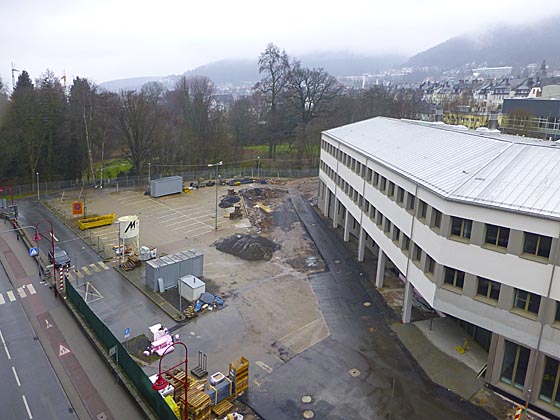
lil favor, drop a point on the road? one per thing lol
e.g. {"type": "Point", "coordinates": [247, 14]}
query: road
{"type": "Point", "coordinates": [29, 387]}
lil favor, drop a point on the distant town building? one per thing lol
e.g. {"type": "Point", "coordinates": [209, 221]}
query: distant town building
{"type": "Point", "coordinates": [532, 117]}
{"type": "Point", "coordinates": [492, 72]}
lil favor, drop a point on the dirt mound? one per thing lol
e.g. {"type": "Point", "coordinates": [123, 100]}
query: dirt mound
{"type": "Point", "coordinates": [248, 247]}
{"type": "Point", "coordinates": [229, 201]}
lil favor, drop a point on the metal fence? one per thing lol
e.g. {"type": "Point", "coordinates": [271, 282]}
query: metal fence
{"type": "Point", "coordinates": [126, 363]}
{"type": "Point", "coordinates": [143, 180]}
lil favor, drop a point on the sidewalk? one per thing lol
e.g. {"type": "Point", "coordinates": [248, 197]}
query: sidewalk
{"type": "Point", "coordinates": [87, 380]}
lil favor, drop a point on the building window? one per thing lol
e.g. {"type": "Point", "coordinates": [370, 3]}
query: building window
{"type": "Point", "coordinates": [410, 202]}
{"type": "Point", "coordinates": [416, 253]}
{"type": "Point", "coordinates": [527, 301]}
{"type": "Point", "coordinates": [436, 219]}
{"type": "Point", "coordinates": [387, 226]}
{"type": "Point", "coordinates": [488, 288]}
{"type": "Point", "coordinates": [461, 227]}
{"type": "Point", "coordinates": [455, 278]}
{"type": "Point", "coordinates": [497, 235]}
{"type": "Point", "coordinates": [422, 209]}
{"type": "Point", "coordinates": [369, 175]}
{"type": "Point", "coordinates": [549, 388]}
{"type": "Point", "coordinates": [379, 218]}
{"type": "Point", "coordinates": [375, 179]}
{"type": "Point", "coordinates": [396, 234]}
{"type": "Point", "coordinates": [430, 265]}
{"type": "Point", "coordinates": [538, 245]}
{"type": "Point", "coordinates": [406, 243]}
{"type": "Point", "coordinates": [391, 189]}
{"type": "Point", "coordinates": [400, 195]}
{"type": "Point", "coordinates": [383, 184]}
{"type": "Point", "coordinates": [514, 366]}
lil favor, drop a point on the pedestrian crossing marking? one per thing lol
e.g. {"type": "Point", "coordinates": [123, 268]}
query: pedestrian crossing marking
{"type": "Point", "coordinates": [70, 276]}
{"type": "Point", "coordinates": [21, 293]}
{"type": "Point", "coordinates": [103, 265]}
{"type": "Point", "coordinates": [95, 268]}
{"type": "Point", "coordinates": [86, 270]}
{"type": "Point", "coordinates": [80, 275]}
{"type": "Point", "coordinates": [31, 289]}
{"type": "Point", "coordinates": [2, 300]}
{"type": "Point", "coordinates": [11, 295]}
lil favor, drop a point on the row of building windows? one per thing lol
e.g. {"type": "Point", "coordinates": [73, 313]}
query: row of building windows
{"type": "Point", "coordinates": [495, 236]}
{"type": "Point", "coordinates": [514, 372]}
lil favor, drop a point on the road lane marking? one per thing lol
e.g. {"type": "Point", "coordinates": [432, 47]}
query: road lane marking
{"type": "Point", "coordinates": [31, 289]}
{"type": "Point", "coordinates": [103, 265]}
{"type": "Point", "coordinates": [11, 295]}
{"type": "Point", "coordinates": [54, 237]}
{"type": "Point", "coordinates": [5, 346]}
{"type": "Point", "coordinates": [95, 268]}
{"type": "Point", "coordinates": [21, 292]}
{"type": "Point", "coordinates": [16, 376]}
{"type": "Point", "coordinates": [2, 300]}
{"type": "Point", "coordinates": [264, 366]}
{"type": "Point", "coordinates": [27, 407]}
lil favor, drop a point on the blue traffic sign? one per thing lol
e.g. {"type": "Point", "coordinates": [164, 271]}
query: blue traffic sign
{"type": "Point", "coordinates": [33, 252]}
{"type": "Point", "coordinates": [127, 333]}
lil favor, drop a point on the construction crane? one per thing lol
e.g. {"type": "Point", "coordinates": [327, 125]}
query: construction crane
{"type": "Point", "coordinates": [13, 77]}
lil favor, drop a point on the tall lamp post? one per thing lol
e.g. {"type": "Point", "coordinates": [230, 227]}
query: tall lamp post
{"type": "Point", "coordinates": [37, 238]}
{"type": "Point", "coordinates": [161, 383]}
{"type": "Point", "coordinates": [216, 165]}
{"type": "Point", "coordinates": [259, 167]}
{"type": "Point", "coordinates": [37, 173]}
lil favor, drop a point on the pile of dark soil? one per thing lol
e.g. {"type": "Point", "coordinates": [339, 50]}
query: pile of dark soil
{"type": "Point", "coordinates": [229, 201]}
{"type": "Point", "coordinates": [248, 247]}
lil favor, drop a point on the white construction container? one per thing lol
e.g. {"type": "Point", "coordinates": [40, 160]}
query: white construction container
{"type": "Point", "coordinates": [166, 186]}
{"type": "Point", "coordinates": [191, 287]}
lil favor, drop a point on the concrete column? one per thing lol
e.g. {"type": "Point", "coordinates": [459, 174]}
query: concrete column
{"type": "Point", "coordinates": [407, 302]}
{"type": "Point", "coordinates": [477, 233]}
{"type": "Point", "coordinates": [507, 297]}
{"type": "Point", "coordinates": [470, 285]}
{"type": "Point", "coordinates": [347, 217]}
{"type": "Point", "coordinates": [380, 269]}
{"type": "Point", "coordinates": [361, 244]}
{"type": "Point", "coordinates": [326, 203]}
{"type": "Point", "coordinates": [515, 242]}
{"type": "Point", "coordinates": [335, 214]}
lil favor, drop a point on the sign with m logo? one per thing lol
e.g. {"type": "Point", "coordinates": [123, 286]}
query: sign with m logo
{"type": "Point", "coordinates": [129, 226]}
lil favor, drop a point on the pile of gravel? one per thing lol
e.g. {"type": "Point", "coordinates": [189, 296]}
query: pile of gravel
{"type": "Point", "coordinates": [248, 247]}
{"type": "Point", "coordinates": [228, 201]}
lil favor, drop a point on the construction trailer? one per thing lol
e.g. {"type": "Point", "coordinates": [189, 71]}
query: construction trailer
{"type": "Point", "coordinates": [166, 186]}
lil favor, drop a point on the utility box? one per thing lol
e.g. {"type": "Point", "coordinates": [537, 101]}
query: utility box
{"type": "Point", "coordinates": [166, 186]}
{"type": "Point", "coordinates": [191, 287]}
{"type": "Point", "coordinates": [171, 268]}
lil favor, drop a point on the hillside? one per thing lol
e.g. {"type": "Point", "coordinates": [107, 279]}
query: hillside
{"type": "Point", "coordinates": [506, 45]}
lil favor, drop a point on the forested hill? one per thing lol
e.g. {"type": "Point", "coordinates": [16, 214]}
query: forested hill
{"type": "Point", "coordinates": [506, 45]}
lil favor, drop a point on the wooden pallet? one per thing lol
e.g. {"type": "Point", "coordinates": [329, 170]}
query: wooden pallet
{"type": "Point", "coordinates": [222, 408]}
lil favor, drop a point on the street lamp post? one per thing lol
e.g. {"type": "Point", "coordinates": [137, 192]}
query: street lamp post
{"type": "Point", "coordinates": [149, 174]}
{"type": "Point", "coordinates": [161, 383]}
{"type": "Point", "coordinates": [220, 163]}
{"type": "Point", "coordinates": [259, 167]}
{"type": "Point", "coordinates": [38, 196]}
{"type": "Point", "coordinates": [37, 237]}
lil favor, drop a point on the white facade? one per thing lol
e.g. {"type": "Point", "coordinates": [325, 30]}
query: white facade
{"type": "Point", "coordinates": [471, 221]}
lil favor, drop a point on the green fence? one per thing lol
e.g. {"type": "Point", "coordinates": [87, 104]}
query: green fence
{"type": "Point", "coordinates": [127, 364]}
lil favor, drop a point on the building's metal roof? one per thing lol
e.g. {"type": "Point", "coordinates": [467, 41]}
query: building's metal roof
{"type": "Point", "coordinates": [481, 168]}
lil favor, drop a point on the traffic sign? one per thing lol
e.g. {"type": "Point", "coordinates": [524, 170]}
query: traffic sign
{"type": "Point", "coordinates": [126, 333]}
{"type": "Point", "coordinates": [33, 252]}
{"type": "Point", "coordinates": [62, 350]}
{"type": "Point", "coordinates": [113, 351]}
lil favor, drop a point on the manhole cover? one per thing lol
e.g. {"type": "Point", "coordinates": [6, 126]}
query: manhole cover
{"type": "Point", "coordinates": [354, 372]}
{"type": "Point", "coordinates": [101, 416]}
{"type": "Point", "coordinates": [308, 414]}
{"type": "Point", "coordinates": [366, 304]}
{"type": "Point", "coordinates": [306, 399]}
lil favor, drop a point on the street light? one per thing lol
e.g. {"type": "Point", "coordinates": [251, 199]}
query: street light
{"type": "Point", "coordinates": [37, 238]}
{"type": "Point", "coordinates": [161, 383]}
{"type": "Point", "coordinates": [37, 173]}
{"type": "Point", "coordinates": [220, 163]}
{"type": "Point", "coordinates": [259, 167]}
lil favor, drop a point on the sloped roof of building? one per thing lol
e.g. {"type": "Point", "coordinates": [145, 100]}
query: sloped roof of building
{"type": "Point", "coordinates": [482, 168]}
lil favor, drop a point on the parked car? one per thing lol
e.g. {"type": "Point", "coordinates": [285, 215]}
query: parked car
{"type": "Point", "coordinates": [61, 257]}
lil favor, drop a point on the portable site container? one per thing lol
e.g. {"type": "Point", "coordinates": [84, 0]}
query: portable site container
{"type": "Point", "coordinates": [166, 186]}
{"type": "Point", "coordinates": [171, 268]}
{"type": "Point", "coordinates": [191, 287]}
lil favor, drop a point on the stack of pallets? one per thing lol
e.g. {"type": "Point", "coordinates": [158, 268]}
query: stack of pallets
{"type": "Point", "coordinates": [199, 404]}
{"type": "Point", "coordinates": [239, 374]}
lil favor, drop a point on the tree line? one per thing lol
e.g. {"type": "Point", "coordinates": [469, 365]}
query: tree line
{"type": "Point", "coordinates": [63, 133]}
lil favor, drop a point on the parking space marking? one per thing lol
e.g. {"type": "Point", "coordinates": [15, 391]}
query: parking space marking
{"type": "Point", "coordinates": [11, 295]}
{"type": "Point", "coordinates": [178, 212]}
{"type": "Point", "coordinates": [95, 268]}
{"type": "Point", "coordinates": [108, 233]}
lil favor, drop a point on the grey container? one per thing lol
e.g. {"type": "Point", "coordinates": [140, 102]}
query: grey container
{"type": "Point", "coordinates": [166, 186]}
{"type": "Point", "coordinates": [172, 267]}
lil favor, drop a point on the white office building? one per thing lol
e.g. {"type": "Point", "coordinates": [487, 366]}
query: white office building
{"type": "Point", "coordinates": [471, 220]}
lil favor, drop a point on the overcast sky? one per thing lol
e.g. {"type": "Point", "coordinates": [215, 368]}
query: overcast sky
{"type": "Point", "coordinates": [105, 40]}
